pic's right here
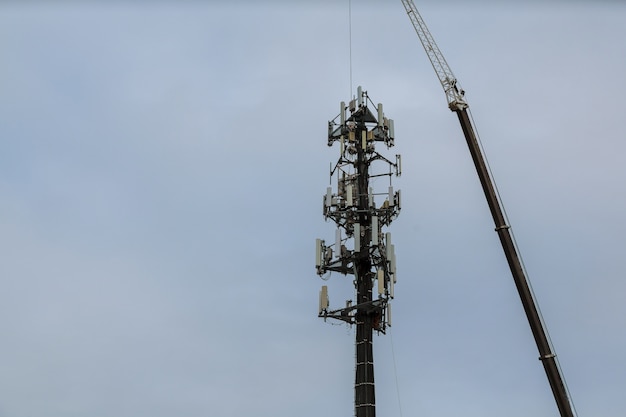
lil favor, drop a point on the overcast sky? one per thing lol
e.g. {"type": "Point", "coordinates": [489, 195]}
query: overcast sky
{"type": "Point", "coordinates": [161, 174]}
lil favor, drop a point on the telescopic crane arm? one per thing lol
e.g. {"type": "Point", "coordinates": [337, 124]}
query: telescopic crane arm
{"type": "Point", "coordinates": [458, 104]}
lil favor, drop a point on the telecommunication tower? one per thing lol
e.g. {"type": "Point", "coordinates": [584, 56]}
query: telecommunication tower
{"type": "Point", "coordinates": [361, 248]}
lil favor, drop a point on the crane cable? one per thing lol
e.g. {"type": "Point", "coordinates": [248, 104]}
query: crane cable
{"type": "Point", "coordinates": [395, 372]}
{"type": "Point", "coordinates": [350, 40]}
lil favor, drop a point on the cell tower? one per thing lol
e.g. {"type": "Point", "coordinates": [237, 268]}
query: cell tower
{"type": "Point", "coordinates": [360, 221]}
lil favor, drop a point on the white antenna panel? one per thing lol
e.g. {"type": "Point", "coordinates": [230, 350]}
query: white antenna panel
{"type": "Point", "coordinates": [375, 230]}
{"type": "Point", "coordinates": [359, 95]}
{"type": "Point", "coordinates": [381, 281]}
{"type": "Point", "coordinates": [399, 199]}
{"type": "Point", "coordinates": [342, 113]}
{"type": "Point", "coordinates": [349, 201]}
{"type": "Point", "coordinates": [388, 245]}
{"type": "Point", "coordinates": [391, 287]}
{"type": "Point", "coordinates": [318, 252]}
{"type": "Point", "coordinates": [371, 197]}
{"type": "Point", "coordinates": [380, 114]}
{"type": "Point", "coordinates": [338, 242]}
{"type": "Point", "coordinates": [329, 196]}
{"type": "Point", "coordinates": [357, 237]}
{"type": "Point", "coordinates": [391, 201]}
{"type": "Point", "coordinates": [392, 260]}
{"type": "Point", "coordinates": [391, 130]}
{"type": "Point", "coordinates": [323, 298]}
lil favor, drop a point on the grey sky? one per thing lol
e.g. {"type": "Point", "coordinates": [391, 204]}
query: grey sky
{"type": "Point", "coordinates": [161, 171]}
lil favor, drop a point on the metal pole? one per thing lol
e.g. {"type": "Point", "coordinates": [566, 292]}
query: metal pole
{"type": "Point", "coordinates": [364, 390]}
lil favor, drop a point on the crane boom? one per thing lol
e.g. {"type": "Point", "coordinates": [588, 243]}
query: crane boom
{"type": "Point", "coordinates": [454, 93]}
{"type": "Point", "coordinates": [458, 104]}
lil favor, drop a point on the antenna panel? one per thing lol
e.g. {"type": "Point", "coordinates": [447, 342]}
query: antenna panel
{"type": "Point", "coordinates": [349, 201]}
{"type": "Point", "coordinates": [375, 230]}
{"type": "Point", "coordinates": [318, 252]}
{"type": "Point", "coordinates": [323, 305]}
{"type": "Point", "coordinates": [398, 165]}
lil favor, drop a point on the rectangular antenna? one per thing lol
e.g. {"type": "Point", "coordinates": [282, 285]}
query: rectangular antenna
{"type": "Point", "coordinates": [392, 264]}
{"type": "Point", "coordinates": [349, 201]}
{"type": "Point", "coordinates": [381, 281]}
{"type": "Point", "coordinates": [388, 245]}
{"type": "Point", "coordinates": [380, 114]}
{"type": "Point", "coordinates": [323, 298]}
{"type": "Point", "coordinates": [391, 196]}
{"type": "Point", "coordinates": [329, 196]}
{"type": "Point", "coordinates": [318, 252]}
{"type": "Point", "coordinates": [374, 230]}
{"type": "Point", "coordinates": [338, 242]}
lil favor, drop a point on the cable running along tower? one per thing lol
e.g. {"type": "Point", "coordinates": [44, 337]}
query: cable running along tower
{"type": "Point", "coordinates": [457, 103]}
{"type": "Point", "coordinates": [361, 249]}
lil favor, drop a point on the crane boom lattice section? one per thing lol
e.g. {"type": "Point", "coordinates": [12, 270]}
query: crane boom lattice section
{"type": "Point", "coordinates": [454, 94]}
